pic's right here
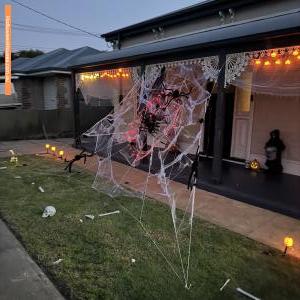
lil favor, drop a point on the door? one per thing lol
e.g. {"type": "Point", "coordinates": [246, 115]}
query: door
{"type": "Point", "coordinates": [242, 124]}
{"type": "Point", "coordinates": [209, 129]}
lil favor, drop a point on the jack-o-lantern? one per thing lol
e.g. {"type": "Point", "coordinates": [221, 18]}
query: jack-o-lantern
{"type": "Point", "coordinates": [255, 165]}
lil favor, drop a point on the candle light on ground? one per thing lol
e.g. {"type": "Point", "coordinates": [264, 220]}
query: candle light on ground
{"type": "Point", "coordinates": [47, 146]}
{"type": "Point", "coordinates": [53, 149]}
{"type": "Point", "coordinates": [61, 154]}
{"type": "Point", "coordinates": [288, 243]}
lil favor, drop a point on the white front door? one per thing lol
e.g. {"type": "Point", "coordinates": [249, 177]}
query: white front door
{"type": "Point", "coordinates": [242, 124]}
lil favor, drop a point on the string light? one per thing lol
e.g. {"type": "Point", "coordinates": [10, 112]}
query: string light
{"type": "Point", "coordinates": [285, 56]}
{"type": "Point", "coordinates": [110, 74]}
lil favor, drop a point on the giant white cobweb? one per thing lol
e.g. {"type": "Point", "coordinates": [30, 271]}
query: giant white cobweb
{"type": "Point", "coordinates": [158, 124]}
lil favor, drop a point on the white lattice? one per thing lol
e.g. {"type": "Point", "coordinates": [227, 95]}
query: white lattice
{"type": "Point", "coordinates": [210, 67]}
{"type": "Point", "coordinates": [235, 65]}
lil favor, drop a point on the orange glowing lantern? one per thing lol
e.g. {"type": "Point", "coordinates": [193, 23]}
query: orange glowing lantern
{"type": "Point", "coordinates": [278, 62]}
{"type": "Point", "coordinates": [255, 165]}
{"type": "Point", "coordinates": [288, 243]}
{"type": "Point", "coordinates": [295, 52]}
{"type": "Point", "coordinates": [273, 54]}
{"type": "Point", "coordinates": [267, 63]}
{"type": "Point", "coordinates": [287, 62]}
{"type": "Point", "coordinates": [257, 62]}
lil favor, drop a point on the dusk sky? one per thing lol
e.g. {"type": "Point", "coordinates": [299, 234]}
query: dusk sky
{"type": "Point", "coordinates": [96, 16]}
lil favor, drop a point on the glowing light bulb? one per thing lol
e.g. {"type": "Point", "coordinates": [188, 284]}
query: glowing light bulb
{"type": "Point", "coordinates": [295, 52]}
{"type": "Point", "coordinates": [273, 54]}
{"type": "Point", "coordinates": [298, 57]}
{"type": "Point", "coordinates": [47, 146]}
{"type": "Point", "coordinates": [257, 62]}
{"type": "Point", "coordinates": [278, 62]}
{"type": "Point", "coordinates": [53, 148]}
{"type": "Point", "coordinates": [267, 63]}
{"type": "Point", "coordinates": [287, 62]}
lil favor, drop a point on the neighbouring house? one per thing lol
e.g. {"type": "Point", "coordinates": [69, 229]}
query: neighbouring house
{"type": "Point", "coordinates": [42, 96]}
{"type": "Point", "coordinates": [249, 52]}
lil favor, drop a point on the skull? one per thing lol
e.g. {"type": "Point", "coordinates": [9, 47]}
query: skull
{"type": "Point", "coordinates": [49, 211]}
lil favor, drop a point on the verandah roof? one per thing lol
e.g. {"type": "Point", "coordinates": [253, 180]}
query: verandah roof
{"type": "Point", "coordinates": [221, 36]}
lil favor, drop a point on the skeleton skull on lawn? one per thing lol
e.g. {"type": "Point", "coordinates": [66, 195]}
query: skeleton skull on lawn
{"type": "Point", "coordinates": [49, 211]}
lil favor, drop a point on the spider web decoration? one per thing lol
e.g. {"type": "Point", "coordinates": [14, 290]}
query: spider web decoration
{"type": "Point", "coordinates": [162, 128]}
{"type": "Point", "coordinates": [235, 65]}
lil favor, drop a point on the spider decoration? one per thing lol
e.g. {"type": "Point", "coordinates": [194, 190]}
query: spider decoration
{"type": "Point", "coordinates": [173, 95]}
{"type": "Point", "coordinates": [77, 157]}
{"type": "Point", "coordinates": [194, 171]}
{"type": "Point", "coordinates": [150, 122]}
{"type": "Point", "coordinates": [153, 115]}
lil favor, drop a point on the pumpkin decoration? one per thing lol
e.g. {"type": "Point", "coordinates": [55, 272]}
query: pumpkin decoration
{"type": "Point", "coordinates": [255, 165]}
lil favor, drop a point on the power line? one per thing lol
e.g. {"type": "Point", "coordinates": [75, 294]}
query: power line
{"type": "Point", "coordinates": [44, 30]}
{"type": "Point", "coordinates": [56, 20]}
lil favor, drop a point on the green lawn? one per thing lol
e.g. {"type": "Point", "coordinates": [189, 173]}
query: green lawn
{"type": "Point", "coordinates": [97, 253]}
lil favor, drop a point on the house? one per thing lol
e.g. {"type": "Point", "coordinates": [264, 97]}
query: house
{"type": "Point", "coordinates": [42, 96]}
{"type": "Point", "coordinates": [249, 52]}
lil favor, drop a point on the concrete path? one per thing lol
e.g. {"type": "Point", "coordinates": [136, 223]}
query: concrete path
{"type": "Point", "coordinates": [20, 277]}
{"type": "Point", "coordinates": [262, 225]}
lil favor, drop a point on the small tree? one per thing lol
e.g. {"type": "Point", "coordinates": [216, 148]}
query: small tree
{"type": "Point", "coordinates": [28, 53]}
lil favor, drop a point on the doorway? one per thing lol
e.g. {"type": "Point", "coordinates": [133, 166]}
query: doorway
{"type": "Point", "coordinates": [209, 128]}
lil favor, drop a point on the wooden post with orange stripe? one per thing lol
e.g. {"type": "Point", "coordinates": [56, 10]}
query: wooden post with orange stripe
{"type": "Point", "coordinates": [7, 9]}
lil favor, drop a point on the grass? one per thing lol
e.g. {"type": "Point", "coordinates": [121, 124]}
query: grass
{"type": "Point", "coordinates": [97, 253]}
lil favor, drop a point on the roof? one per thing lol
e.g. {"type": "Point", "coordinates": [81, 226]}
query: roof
{"type": "Point", "coordinates": [57, 60]}
{"type": "Point", "coordinates": [217, 37]}
{"type": "Point", "coordinates": [195, 11]}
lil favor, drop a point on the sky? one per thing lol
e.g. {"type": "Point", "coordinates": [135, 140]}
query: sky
{"type": "Point", "coordinates": [96, 16]}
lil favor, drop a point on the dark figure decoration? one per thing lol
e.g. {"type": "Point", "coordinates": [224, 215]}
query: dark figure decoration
{"type": "Point", "coordinates": [194, 171]}
{"type": "Point", "coordinates": [77, 157]}
{"type": "Point", "coordinates": [274, 148]}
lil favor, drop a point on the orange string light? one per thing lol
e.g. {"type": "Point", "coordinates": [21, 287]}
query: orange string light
{"type": "Point", "coordinates": [119, 73]}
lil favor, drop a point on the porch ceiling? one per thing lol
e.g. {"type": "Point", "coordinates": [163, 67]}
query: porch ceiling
{"type": "Point", "coordinates": [229, 38]}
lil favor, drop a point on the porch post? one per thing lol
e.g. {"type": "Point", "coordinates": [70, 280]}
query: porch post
{"type": "Point", "coordinates": [76, 111]}
{"type": "Point", "coordinates": [219, 122]}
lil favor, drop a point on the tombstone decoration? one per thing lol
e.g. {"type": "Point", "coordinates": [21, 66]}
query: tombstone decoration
{"type": "Point", "coordinates": [274, 148]}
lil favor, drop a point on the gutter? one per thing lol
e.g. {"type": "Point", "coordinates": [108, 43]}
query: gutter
{"type": "Point", "coordinates": [17, 75]}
